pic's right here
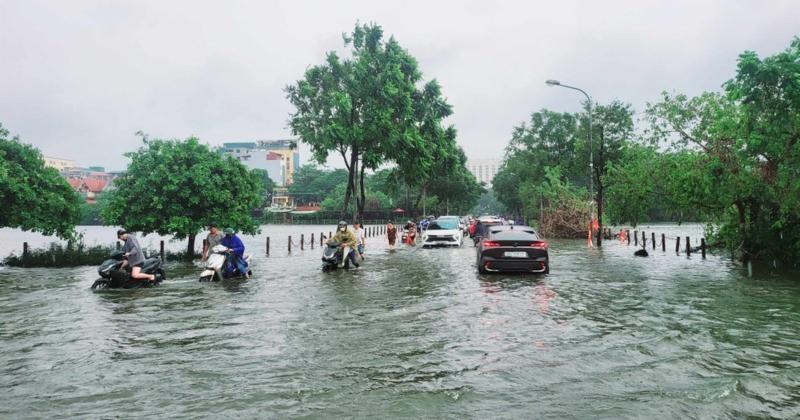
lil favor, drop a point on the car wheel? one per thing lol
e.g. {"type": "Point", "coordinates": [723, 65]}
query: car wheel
{"type": "Point", "coordinates": [481, 268]}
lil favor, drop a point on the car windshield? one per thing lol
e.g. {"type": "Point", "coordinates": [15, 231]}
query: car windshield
{"type": "Point", "coordinates": [442, 224]}
{"type": "Point", "coordinates": [514, 235]}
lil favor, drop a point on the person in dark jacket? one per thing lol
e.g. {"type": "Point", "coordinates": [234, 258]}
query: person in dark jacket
{"type": "Point", "coordinates": [235, 246]}
{"type": "Point", "coordinates": [134, 257]}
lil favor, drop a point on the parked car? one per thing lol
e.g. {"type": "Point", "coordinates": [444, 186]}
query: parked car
{"type": "Point", "coordinates": [443, 231]}
{"type": "Point", "coordinates": [510, 248]}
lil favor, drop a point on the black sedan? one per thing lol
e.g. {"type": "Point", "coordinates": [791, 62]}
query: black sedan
{"type": "Point", "coordinates": [512, 249]}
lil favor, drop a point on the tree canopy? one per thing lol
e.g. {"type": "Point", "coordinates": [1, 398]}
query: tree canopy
{"type": "Point", "coordinates": [178, 188]}
{"type": "Point", "coordinates": [34, 197]}
{"type": "Point", "coordinates": [369, 109]}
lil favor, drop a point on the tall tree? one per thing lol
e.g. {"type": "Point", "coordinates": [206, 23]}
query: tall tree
{"type": "Point", "coordinates": [367, 108]}
{"type": "Point", "coordinates": [177, 188]}
{"type": "Point", "coordinates": [34, 197]}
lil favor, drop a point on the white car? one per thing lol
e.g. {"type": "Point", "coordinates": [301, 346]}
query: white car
{"type": "Point", "coordinates": [444, 231]}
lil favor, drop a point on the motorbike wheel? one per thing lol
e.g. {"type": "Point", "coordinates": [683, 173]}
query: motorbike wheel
{"type": "Point", "coordinates": [100, 284]}
{"type": "Point", "coordinates": [160, 276]}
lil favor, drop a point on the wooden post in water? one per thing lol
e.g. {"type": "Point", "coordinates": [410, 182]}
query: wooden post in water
{"type": "Point", "coordinates": [302, 239]}
{"type": "Point", "coordinates": [628, 235]}
{"type": "Point", "coordinates": [688, 247]}
{"type": "Point", "coordinates": [25, 254]}
{"type": "Point", "coordinates": [677, 244]}
{"type": "Point", "coordinates": [321, 238]}
{"type": "Point", "coordinates": [312, 241]}
{"type": "Point", "coordinates": [653, 237]}
{"type": "Point", "coordinates": [663, 242]}
{"type": "Point", "coordinates": [161, 250]}
{"type": "Point", "coordinates": [644, 240]}
{"type": "Point", "coordinates": [268, 246]}
{"type": "Point", "coordinates": [703, 247]}
{"type": "Point", "coordinates": [635, 238]}
{"type": "Point", "coordinates": [330, 235]}
{"type": "Point", "coordinates": [290, 244]}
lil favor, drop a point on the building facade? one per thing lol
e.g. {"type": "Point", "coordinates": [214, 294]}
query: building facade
{"type": "Point", "coordinates": [484, 169]}
{"type": "Point", "coordinates": [60, 164]}
{"type": "Point", "coordinates": [280, 158]}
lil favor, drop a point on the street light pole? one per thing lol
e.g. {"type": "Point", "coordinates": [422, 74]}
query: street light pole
{"type": "Point", "coordinates": [591, 152]}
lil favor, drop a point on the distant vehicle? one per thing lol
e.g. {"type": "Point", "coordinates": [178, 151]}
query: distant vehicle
{"type": "Point", "coordinates": [509, 248]}
{"type": "Point", "coordinates": [444, 231]}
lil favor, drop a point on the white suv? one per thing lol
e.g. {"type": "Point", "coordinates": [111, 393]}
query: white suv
{"type": "Point", "coordinates": [444, 231]}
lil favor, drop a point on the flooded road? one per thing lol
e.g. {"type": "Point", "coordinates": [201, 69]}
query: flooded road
{"type": "Point", "coordinates": [413, 333]}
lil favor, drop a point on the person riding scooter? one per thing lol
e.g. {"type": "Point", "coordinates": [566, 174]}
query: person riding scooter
{"type": "Point", "coordinates": [235, 247]}
{"type": "Point", "coordinates": [134, 256]}
{"type": "Point", "coordinates": [348, 243]}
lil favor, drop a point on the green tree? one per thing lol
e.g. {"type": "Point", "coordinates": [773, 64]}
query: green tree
{"type": "Point", "coordinates": [312, 183]}
{"type": "Point", "coordinates": [268, 185]}
{"type": "Point", "coordinates": [745, 145]}
{"type": "Point", "coordinates": [34, 197]}
{"type": "Point", "coordinates": [367, 108]}
{"type": "Point", "coordinates": [177, 188]}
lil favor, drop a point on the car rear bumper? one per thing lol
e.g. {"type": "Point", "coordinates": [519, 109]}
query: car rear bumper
{"type": "Point", "coordinates": [518, 265]}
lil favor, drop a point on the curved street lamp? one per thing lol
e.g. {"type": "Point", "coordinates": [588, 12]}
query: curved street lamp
{"type": "Point", "coordinates": [551, 83]}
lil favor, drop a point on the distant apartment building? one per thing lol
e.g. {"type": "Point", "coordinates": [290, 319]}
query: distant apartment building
{"type": "Point", "coordinates": [484, 169]}
{"type": "Point", "coordinates": [280, 158]}
{"type": "Point", "coordinates": [59, 164]}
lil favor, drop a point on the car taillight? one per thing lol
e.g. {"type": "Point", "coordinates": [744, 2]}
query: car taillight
{"type": "Point", "coordinates": [490, 244]}
{"type": "Point", "coordinates": [539, 245]}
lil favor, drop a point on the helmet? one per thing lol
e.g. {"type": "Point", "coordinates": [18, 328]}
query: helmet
{"type": "Point", "coordinates": [342, 223]}
{"type": "Point", "coordinates": [228, 231]}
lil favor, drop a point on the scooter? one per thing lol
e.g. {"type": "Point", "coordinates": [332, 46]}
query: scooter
{"type": "Point", "coordinates": [113, 276]}
{"type": "Point", "coordinates": [333, 254]}
{"type": "Point", "coordinates": [215, 265]}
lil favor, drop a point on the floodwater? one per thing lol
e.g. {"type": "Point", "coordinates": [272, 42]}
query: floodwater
{"type": "Point", "coordinates": [413, 333]}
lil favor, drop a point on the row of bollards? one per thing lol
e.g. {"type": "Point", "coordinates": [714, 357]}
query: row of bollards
{"type": "Point", "coordinates": [688, 248]}
{"type": "Point", "coordinates": [369, 232]}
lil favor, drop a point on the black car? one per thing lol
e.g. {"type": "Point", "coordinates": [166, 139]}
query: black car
{"type": "Point", "coordinates": [512, 248]}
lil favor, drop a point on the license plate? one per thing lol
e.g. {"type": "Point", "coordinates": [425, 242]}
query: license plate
{"type": "Point", "coordinates": [516, 254]}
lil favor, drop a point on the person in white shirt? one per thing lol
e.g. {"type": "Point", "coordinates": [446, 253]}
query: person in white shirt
{"type": "Point", "coordinates": [360, 239]}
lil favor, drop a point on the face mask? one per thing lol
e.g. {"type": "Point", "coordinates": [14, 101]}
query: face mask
{"type": "Point", "coordinates": [343, 228]}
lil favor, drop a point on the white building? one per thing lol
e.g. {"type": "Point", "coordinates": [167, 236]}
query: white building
{"type": "Point", "coordinates": [59, 164]}
{"type": "Point", "coordinates": [484, 169]}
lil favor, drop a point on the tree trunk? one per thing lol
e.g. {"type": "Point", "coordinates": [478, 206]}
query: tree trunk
{"type": "Point", "coordinates": [363, 200]}
{"type": "Point", "coordinates": [599, 215]}
{"type": "Point", "coordinates": [743, 229]}
{"type": "Point", "coordinates": [351, 168]}
{"type": "Point", "coordinates": [190, 248]}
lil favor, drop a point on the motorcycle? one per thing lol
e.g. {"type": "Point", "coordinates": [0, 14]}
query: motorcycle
{"type": "Point", "coordinates": [332, 255]}
{"type": "Point", "coordinates": [218, 260]}
{"type": "Point", "coordinates": [113, 276]}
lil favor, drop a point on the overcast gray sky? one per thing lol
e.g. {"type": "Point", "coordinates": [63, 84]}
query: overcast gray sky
{"type": "Point", "coordinates": [79, 78]}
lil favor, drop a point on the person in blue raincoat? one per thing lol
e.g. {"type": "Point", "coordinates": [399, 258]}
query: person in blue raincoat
{"type": "Point", "coordinates": [235, 263]}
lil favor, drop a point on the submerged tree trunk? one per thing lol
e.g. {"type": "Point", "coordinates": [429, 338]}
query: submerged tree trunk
{"type": "Point", "coordinates": [190, 248]}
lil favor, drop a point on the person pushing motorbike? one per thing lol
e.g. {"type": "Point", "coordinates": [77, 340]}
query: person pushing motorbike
{"type": "Point", "coordinates": [347, 239]}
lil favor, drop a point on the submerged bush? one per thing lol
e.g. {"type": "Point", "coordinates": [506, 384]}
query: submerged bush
{"type": "Point", "coordinates": [72, 255]}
